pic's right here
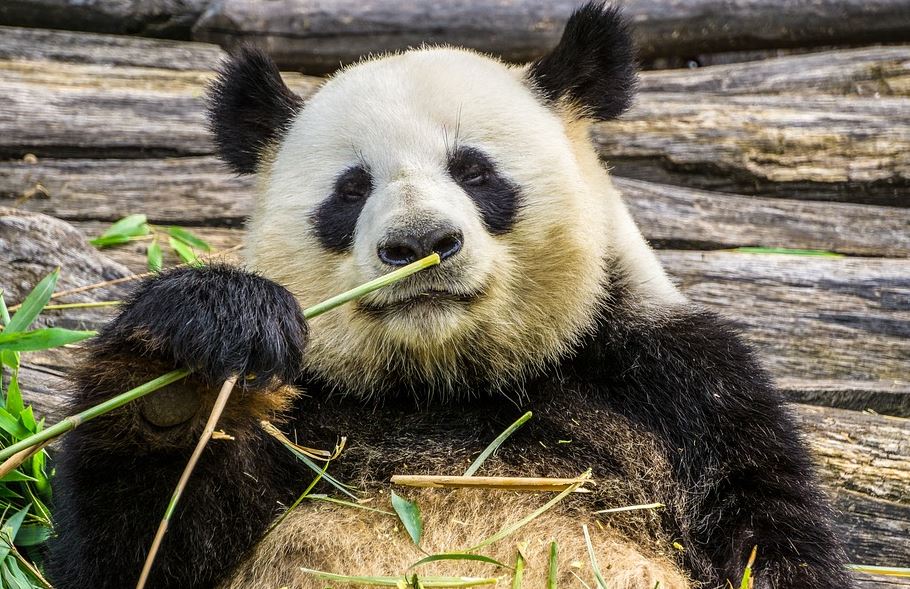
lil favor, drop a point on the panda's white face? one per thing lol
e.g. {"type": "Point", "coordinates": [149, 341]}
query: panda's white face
{"type": "Point", "coordinates": [436, 150]}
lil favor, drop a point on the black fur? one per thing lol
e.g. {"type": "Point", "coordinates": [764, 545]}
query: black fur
{"type": "Point", "coordinates": [336, 218]}
{"type": "Point", "coordinates": [720, 451]}
{"type": "Point", "coordinates": [249, 108]}
{"type": "Point", "coordinates": [496, 197]}
{"type": "Point", "coordinates": [216, 320]}
{"type": "Point", "coordinates": [594, 66]}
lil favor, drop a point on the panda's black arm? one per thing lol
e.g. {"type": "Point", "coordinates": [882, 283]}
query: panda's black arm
{"type": "Point", "coordinates": [115, 474]}
{"type": "Point", "coordinates": [744, 474]}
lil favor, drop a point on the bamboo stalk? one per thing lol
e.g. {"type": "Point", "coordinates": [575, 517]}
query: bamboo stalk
{"type": "Point", "coordinates": [13, 462]}
{"type": "Point", "coordinates": [214, 416]}
{"type": "Point", "coordinates": [73, 421]}
{"type": "Point", "coordinates": [472, 482]}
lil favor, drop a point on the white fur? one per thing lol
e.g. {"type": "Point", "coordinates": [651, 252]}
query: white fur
{"type": "Point", "coordinates": [401, 115]}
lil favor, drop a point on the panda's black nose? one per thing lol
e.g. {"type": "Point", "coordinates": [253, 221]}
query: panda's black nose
{"type": "Point", "coordinates": [402, 247]}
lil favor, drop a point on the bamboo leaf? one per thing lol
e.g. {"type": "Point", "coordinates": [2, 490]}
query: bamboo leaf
{"type": "Point", "coordinates": [10, 424]}
{"type": "Point", "coordinates": [409, 514]}
{"type": "Point", "coordinates": [553, 569]}
{"type": "Point", "coordinates": [188, 238]}
{"type": "Point", "coordinates": [183, 250]}
{"type": "Point", "coordinates": [495, 444]}
{"type": "Point", "coordinates": [42, 339]}
{"type": "Point", "coordinates": [129, 226]}
{"type": "Point", "coordinates": [593, 558]}
{"type": "Point", "coordinates": [32, 535]}
{"type": "Point", "coordinates": [14, 403]}
{"type": "Point", "coordinates": [457, 556]}
{"type": "Point", "coordinates": [33, 303]}
{"type": "Point", "coordinates": [16, 477]}
{"type": "Point", "coordinates": [10, 528]}
{"type": "Point", "coordinates": [155, 259]}
{"type": "Point", "coordinates": [787, 251]}
{"type": "Point", "coordinates": [103, 242]}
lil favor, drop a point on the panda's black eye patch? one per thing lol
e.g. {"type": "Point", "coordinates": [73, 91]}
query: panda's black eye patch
{"type": "Point", "coordinates": [495, 196]}
{"type": "Point", "coordinates": [355, 184]}
{"type": "Point", "coordinates": [336, 218]}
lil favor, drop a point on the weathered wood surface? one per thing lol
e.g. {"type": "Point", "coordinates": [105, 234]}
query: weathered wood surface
{"type": "Point", "coordinates": [315, 37]}
{"type": "Point", "coordinates": [678, 217]}
{"type": "Point", "coordinates": [869, 71]}
{"type": "Point", "coordinates": [154, 18]}
{"type": "Point", "coordinates": [200, 191]}
{"type": "Point", "coordinates": [820, 147]}
{"type": "Point", "coordinates": [53, 108]}
{"type": "Point", "coordinates": [42, 44]}
{"type": "Point", "coordinates": [812, 147]}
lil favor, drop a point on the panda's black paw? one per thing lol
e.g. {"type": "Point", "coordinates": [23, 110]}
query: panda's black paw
{"type": "Point", "coordinates": [216, 320]}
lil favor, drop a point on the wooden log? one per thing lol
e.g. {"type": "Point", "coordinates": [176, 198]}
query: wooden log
{"type": "Point", "coordinates": [46, 45]}
{"type": "Point", "coordinates": [685, 218]}
{"type": "Point", "coordinates": [200, 191]}
{"type": "Point", "coordinates": [152, 18]}
{"type": "Point", "coordinates": [185, 190]}
{"type": "Point", "coordinates": [864, 461]}
{"type": "Point", "coordinates": [869, 71]}
{"type": "Point", "coordinates": [77, 109]}
{"type": "Point", "coordinates": [316, 37]}
{"type": "Point", "coordinates": [806, 315]}
{"type": "Point", "coordinates": [809, 147]}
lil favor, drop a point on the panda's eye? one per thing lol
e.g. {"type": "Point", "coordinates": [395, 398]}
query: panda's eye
{"type": "Point", "coordinates": [476, 175]}
{"type": "Point", "coordinates": [470, 168]}
{"type": "Point", "coordinates": [354, 185]}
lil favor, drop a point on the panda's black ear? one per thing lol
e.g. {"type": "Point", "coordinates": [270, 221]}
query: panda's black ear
{"type": "Point", "coordinates": [593, 68]}
{"type": "Point", "coordinates": [249, 108]}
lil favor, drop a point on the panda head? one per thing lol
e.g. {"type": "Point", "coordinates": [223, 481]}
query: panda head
{"type": "Point", "coordinates": [445, 150]}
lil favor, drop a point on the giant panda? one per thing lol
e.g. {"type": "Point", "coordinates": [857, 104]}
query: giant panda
{"type": "Point", "coordinates": [547, 299]}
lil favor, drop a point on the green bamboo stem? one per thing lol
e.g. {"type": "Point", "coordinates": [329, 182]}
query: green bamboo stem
{"type": "Point", "coordinates": [368, 287]}
{"type": "Point", "coordinates": [162, 381]}
{"type": "Point", "coordinates": [74, 421]}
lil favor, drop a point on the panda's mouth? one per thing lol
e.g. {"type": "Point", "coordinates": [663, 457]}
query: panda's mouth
{"type": "Point", "coordinates": [427, 299]}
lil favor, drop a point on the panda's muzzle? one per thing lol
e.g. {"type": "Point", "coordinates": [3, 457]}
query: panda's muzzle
{"type": "Point", "coordinates": [401, 247]}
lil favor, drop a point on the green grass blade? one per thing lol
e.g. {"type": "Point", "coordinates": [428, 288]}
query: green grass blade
{"type": "Point", "coordinates": [511, 528]}
{"type": "Point", "coordinates": [327, 499]}
{"type": "Point", "coordinates": [409, 514]}
{"type": "Point", "coordinates": [435, 582]}
{"type": "Point", "coordinates": [553, 569]}
{"type": "Point", "coordinates": [33, 303]}
{"type": "Point", "coordinates": [496, 444]}
{"type": "Point", "coordinates": [593, 558]}
{"type": "Point", "coordinates": [519, 569]}
{"type": "Point", "coordinates": [4, 310]}
{"type": "Point", "coordinates": [457, 556]}
{"type": "Point", "coordinates": [41, 339]}
{"type": "Point", "coordinates": [787, 251]}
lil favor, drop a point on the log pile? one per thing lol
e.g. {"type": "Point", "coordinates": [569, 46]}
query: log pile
{"type": "Point", "coordinates": [804, 151]}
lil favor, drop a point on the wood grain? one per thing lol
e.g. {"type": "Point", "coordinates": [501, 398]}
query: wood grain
{"type": "Point", "coordinates": [316, 37]}
{"type": "Point", "coordinates": [867, 71]}
{"type": "Point", "coordinates": [17, 43]}
{"type": "Point", "coordinates": [831, 148]}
